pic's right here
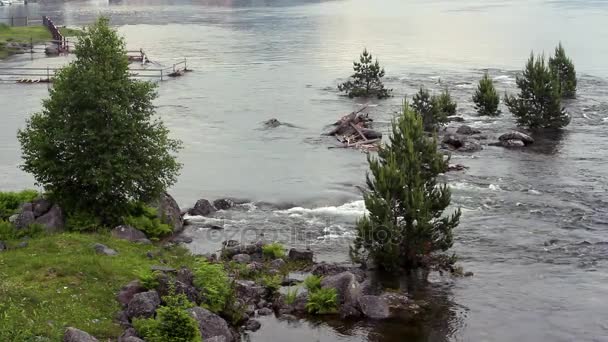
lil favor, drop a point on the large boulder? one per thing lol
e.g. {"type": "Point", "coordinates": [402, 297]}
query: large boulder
{"type": "Point", "coordinates": [127, 292]}
{"type": "Point", "coordinates": [76, 335]}
{"type": "Point", "coordinates": [202, 208]}
{"type": "Point", "coordinates": [210, 324]}
{"type": "Point", "coordinates": [374, 307]}
{"type": "Point", "coordinates": [143, 304]}
{"type": "Point", "coordinates": [348, 290]}
{"type": "Point", "coordinates": [41, 206]}
{"type": "Point", "coordinates": [514, 135]}
{"type": "Point", "coordinates": [301, 255]}
{"type": "Point", "coordinates": [467, 130]}
{"type": "Point", "coordinates": [169, 212]}
{"type": "Point", "coordinates": [24, 219]}
{"type": "Point", "coordinates": [128, 233]}
{"type": "Point", "coordinates": [53, 221]}
{"type": "Point", "coordinates": [460, 143]}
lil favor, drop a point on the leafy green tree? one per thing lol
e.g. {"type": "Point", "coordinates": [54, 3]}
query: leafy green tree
{"type": "Point", "coordinates": [405, 227]}
{"type": "Point", "coordinates": [538, 104]}
{"type": "Point", "coordinates": [563, 69]}
{"type": "Point", "coordinates": [367, 79]}
{"type": "Point", "coordinates": [97, 144]}
{"type": "Point", "coordinates": [486, 98]}
{"type": "Point", "coordinates": [433, 110]}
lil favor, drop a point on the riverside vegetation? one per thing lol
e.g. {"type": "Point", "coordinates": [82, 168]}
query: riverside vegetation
{"type": "Point", "coordinates": [12, 39]}
{"type": "Point", "coordinates": [97, 251]}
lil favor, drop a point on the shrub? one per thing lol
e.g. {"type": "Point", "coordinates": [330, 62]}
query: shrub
{"type": "Point", "coordinates": [486, 98]}
{"type": "Point", "coordinates": [432, 109]}
{"type": "Point", "coordinates": [10, 202]}
{"type": "Point", "coordinates": [272, 282]}
{"type": "Point", "coordinates": [173, 323]}
{"type": "Point", "coordinates": [312, 283]}
{"type": "Point", "coordinates": [445, 104]}
{"type": "Point", "coordinates": [323, 301]}
{"type": "Point", "coordinates": [291, 296]}
{"type": "Point", "coordinates": [273, 250]}
{"type": "Point", "coordinates": [405, 224]}
{"type": "Point", "coordinates": [81, 221]}
{"type": "Point", "coordinates": [214, 284]}
{"type": "Point", "coordinates": [97, 144]}
{"type": "Point", "coordinates": [9, 232]}
{"type": "Point", "coordinates": [367, 79]}
{"type": "Point", "coordinates": [148, 278]}
{"type": "Point", "coordinates": [146, 219]}
{"type": "Point", "coordinates": [538, 104]}
{"type": "Point", "coordinates": [563, 70]}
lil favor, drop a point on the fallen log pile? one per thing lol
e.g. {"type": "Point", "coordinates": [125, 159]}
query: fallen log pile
{"type": "Point", "coordinates": [353, 130]}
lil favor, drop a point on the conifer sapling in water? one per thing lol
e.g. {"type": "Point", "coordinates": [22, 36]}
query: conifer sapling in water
{"type": "Point", "coordinates": [367, 79]}
{"type": "Point", "coordinates": [563, 69]}
{"type": "Point", "coordinates": [486, 97]}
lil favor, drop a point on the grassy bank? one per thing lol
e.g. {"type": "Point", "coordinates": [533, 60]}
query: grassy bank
{"type": "Point", "coordinates": [27, 34]}
{"type": "Point", "coordinates": [59, 280]}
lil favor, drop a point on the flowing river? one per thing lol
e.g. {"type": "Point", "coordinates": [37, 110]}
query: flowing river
{"type": "Point", "coordinates": [534, 228]}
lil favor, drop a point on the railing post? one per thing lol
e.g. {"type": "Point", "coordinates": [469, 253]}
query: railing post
{"type": "Point", "coordinates": [12, 21]}
{"type": "Point", "coordinates": [27, 21]}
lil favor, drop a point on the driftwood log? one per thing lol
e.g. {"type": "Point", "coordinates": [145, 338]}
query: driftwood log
{"type": "Point", "coordinates": [353, 130]}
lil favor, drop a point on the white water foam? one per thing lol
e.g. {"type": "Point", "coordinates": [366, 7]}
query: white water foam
{"type": "Point", "coordinates": [356, 208]}
{"type": "Point", "coordinates": [494, 187]}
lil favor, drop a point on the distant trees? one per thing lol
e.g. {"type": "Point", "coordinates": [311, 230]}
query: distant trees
{"type": "Point", "coordinates": [405, 227]}
{"type": "Point", "coordinates": [96, 145]}
{"type": "Point", "coordinates": [563, 69]}
{"type": "Point", "coordinates": [538, 104]}
{"type": "Point", "coordinates": [434, 110]}
{"type": "Point", "coordinates": [486, 98]}
{"type": "Point", "coordinates": [367, 79]}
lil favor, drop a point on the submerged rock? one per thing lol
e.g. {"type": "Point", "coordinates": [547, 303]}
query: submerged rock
{"type": "Point", "coordinates": [460, 143]}
{"type": "Point", "coordinates": [301, 255]}
{"type": "Point", "coordinates": [374, 307]}
{"type": "Point", "coordinates": [202, 208]}
{"type": "Point", "coordinates": [253, 325]}
{"type": "Point", "coordinates": [223, 204]}
{"type": "Point", "coordinates": [455, 118]}
{"type": "Point", "coordinates": [77, 335]}
{"type": "Point", "coordinates": [467, 130]}
{"type": "Point", "coordinates": [211, 325]}
{"type": "Point", "coordinates": [515, 135]}
{"type": "Point", "coordinates": [512, 143]}
{"type": "Point", "coordinates": [264, 312]}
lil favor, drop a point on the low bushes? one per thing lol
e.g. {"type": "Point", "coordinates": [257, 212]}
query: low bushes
{"type": "Point", "coordinates": [322, 301]}
{"type": "Point", "coordinates": [11, 201]}
{"type": "Point", "coordinates": [172, 323]}
{"type": "Point", "coordinates": [215, 285]}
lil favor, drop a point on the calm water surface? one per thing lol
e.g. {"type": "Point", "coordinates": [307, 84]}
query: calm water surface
{"type": "Point", "coordinates": [255, 60]}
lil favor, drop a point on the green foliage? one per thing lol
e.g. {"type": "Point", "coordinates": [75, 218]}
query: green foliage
{"type": "Point", "coordinates": [148, 278]}
{"type": "Point", "coordinates": [434, 110]}
{"type": "Point", "coordinates": [272, 282]}
{"type": "Point", "coordinates": [8, 231]}
{"type": "Point", "coordinates": [563, 70]}
{"type": "Point", "coordinates": [405, 225]}
{"type": "Point", "coordinates": [273, 250]}
{"type": "Point", "coordinates": [241, 271]}
{"type": "Point", "coordinates": [173, 323]}
{"type": "Point", "coordinates": [367, 79]}
{"type": "Point", "coordinates": [10, 202]}
{"type": "Point", "coordinates": [312, 283]}
{"type": "Point", "coordinates": [81, 221]}
{"type": "Point", "coordinates": [214, 284]}
{"type": "Point", "coordinates": [486, 98]}
{"type": "Point", "coordinates": [146, 219]}
{"type": "Point", "coordinates": [323, 301]}
{"type": "Point", "coordinates": [97, 144]}
{"type": "Point", "coordinates": [58, 281]}
{"type": "Point", "coordinates": [291, 296]}
{"type": "Point", "coordinates": [538, 104]}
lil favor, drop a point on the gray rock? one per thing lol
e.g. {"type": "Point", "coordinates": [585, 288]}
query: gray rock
{"type": "Point", "coordinates": [242, 258]}
{"type": "Point", "coordinates": [76, 335]}
{"type": "Point", "coordinates": [217, 339]}
{"type": "Point", "coordinates": [265, 312]}
{"type": "Point", "coordinates": [169, 212]}
{"type": "Point", "coordinates": [288, 317]}
{"type": "Point", "coordinates": [103, 249]}
{"type": "Point", "coordinates": [324, 269]}
{"type": "Point", "coordinates": [255, 266]}
{"type": "Point", "coordinates": [210, 324]}
{"type": "Point", "coordinates": [22, 244]}
{"type": "Point", "coordinates": [53, 220]}
{"type": "Point", "coordinates": [41, 206]}
{"type": "Point", "coordinates": [123, 320]}
{"type": "Point", "coordinates": [249, 291]}
{"type": "Point", "coordinates": [272, 123]}
{"type": "Point", "coordinates": [132, 339]}
{"type": "Point", "coordinates": [52, 50]}
{"type": "Point", "coordinates": [2, 246]}
{"type": "Point", "coordinates": [127, 292]}
{"type": "Point", "coordinates": [13, 218]}
{"type": "Point", "coordinates": [455, 118]}
{"type": "Point", "coordinates": [182, 239]}
{"type": "Point", "coordinates": [374, 307]}
{"type": "Point", "coordinates": [128, 233]}
{"type": "Point", "coordinates": [143, 304]}
{"type": "Point", "coordinates": [202, 208]}
{"type": "Point", "coordinates": [223, 204]}
{"type": "Point", "coordinates": [471, 146]}
{"type": "Point", "coordinates": [467, 130]}
{"type": "Point", "coordinates": [128, 333]}
{"type": "Point", "coordinates": [514, 135]}
{"type": "Point", "coordinates": [277, 263]}
{"type": "Point", "coordinates": [24, 219]}
{"type": "Point", "coordinates": [512, 143]}
{"type": "Point", "coordinates": [348, 289]}
{"type": "Point", "coordinates": [253, 325]}
{"type": "Point", "coordinates": [301, 255]}
{"type": "Point", "coordinates": [26, 207]}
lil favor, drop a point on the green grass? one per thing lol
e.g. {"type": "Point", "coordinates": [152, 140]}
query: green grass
{"type": "Point", "coordinates": [59, 281]}
{"type": "Point", "coordinates": [27, 34]}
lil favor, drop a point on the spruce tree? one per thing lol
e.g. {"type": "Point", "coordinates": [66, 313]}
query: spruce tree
{"type": "Point", "coordinates": [563, 69]}
{"type": "Point", "coordinates": [434, 110]}
{"type": "Point", "coordinates": [486, 98]}
{"type": "Point", "coordinates": [445, 104]}
{"type": "Point", "coordinates": [405, 227]}
{"type": "Point", "coordinates": [97, 144]}
{"type": "Point", "coordinates": [367, 79]}
{"type": "Point", "coordinates": [538, 104]}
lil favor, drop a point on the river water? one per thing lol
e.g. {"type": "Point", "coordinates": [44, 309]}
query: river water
{"type": "Point", "coordinates": [534, 225]}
